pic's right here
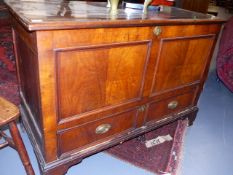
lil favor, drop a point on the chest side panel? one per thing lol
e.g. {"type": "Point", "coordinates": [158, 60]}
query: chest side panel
{"type": "Point", "coordinates": [28, 78]}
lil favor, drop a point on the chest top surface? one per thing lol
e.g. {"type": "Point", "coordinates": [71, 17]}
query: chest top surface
{"type": "Point", "coordinates": [61, 14]}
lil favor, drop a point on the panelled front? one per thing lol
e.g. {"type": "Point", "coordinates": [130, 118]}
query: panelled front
{"type": "Point", "coordinates": [100, 74]}
{"type": "Point", "coordinates": [91, 82]}
{"type": "Point", "coordinates": [104, 76]}
{"type": "Point", "coordinates": [181, 57]}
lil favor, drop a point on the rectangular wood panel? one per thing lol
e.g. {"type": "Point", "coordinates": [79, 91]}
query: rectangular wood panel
{"type": "Point", "coordinates": [85, 135]}
{"type": "Point", "coordinates": [29, 79]}
{"type": "Point", "coordinates": [158, 110]}
{"type": "Point", "coordinates": [181, 61]}
{"type": "Point", "coordinates": [99, 76]}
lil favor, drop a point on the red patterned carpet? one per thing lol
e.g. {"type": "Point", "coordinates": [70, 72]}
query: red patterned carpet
{"type": "Point", "coordinates": [9, 86]}
{"type": "Point", "coordinates": [8, 80]}
{"type": "Point", "coordinates": [225, 55]}
{"type": "Point", "coordinates": [157, 159]}
{"type": "Point", "coordinates": [7, 59]}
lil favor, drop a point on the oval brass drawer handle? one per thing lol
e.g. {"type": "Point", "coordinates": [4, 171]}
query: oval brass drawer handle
{"type": "Point", "coordinates": [172, 105]}
{"type": "Point", "coordinates": [101, 129]}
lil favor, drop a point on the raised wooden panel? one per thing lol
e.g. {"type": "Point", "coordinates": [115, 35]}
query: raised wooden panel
{"type": "Point", "coordinates": [99, 76]}
{"type": "Point", "coordinates": [181, 62]}
{"type": "Point", "coordinates": [29, 81]}
{"type": "Point", "coordinates": [158, 110]}
{"type": "Point", "coordinates": [85, 135]}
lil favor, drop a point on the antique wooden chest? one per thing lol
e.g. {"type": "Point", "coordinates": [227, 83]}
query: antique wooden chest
{"type": "Point", "coordinates": [90, 80]}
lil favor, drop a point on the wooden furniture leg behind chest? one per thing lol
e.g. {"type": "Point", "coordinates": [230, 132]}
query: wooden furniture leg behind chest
{"type": "Point", "coordinates": [90, 80]}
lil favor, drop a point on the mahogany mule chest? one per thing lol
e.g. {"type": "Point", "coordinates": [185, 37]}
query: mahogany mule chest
{"type": "Point", "coordinates": [90, 80]}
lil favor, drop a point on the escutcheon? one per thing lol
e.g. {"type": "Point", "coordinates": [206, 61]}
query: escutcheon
{"type": "Point", "coordinates": [157, 30]}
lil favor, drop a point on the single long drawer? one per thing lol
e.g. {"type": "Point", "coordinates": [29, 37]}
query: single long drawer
{"type": "Point", "coordinates": [157, 110]}
{"type": "Point", "coordinates": [97, 131]}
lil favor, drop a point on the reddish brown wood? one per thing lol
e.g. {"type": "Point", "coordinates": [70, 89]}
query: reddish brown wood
{"type": "Point", "coordinates": [32, 97]}
{"type": "Point", "coordinates": [103, 71]}
{"type": "Point", "coordinates": [85, 135]}
{"type": "Point", "coordinates": [196, 5]}
{"type": "Point", "coordinates": [8, 140]}
{"type": "Point", "coordinates": [180, 65]}
{"type": "Point", "coordinates": [108, 76]}
{"type": "Point", "coordinates": [175, 51]}
{"type": "Point", "coordinates": [157, 110]}
{"type": "Point", "coordinates": [62, 170]}
{"type": "Point", "coordinates": [9, 113]}
{"type": "Point", "coordinates": [19, 145]}
{"type": "Point", "coordinates": [79, 15]}
{"type": "Point", "coordinates": [192, 117]}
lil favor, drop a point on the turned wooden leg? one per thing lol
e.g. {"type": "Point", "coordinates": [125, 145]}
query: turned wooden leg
{"type": "Point", "coordinates": [19, 145]}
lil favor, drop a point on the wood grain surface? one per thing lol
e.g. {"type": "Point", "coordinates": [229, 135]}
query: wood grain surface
{"type": "Point", "coordinates": [8, 111]}
{"type": "Point", "coordinates": [81, 73]}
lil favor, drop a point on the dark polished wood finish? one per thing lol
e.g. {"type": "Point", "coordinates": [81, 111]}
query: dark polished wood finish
{"type": "Point", "coordinates": [196, 5]}
{"type": "Point", "coordinates": [90, 80]}
{"type": "Point", "coordinates": [40, 15]}
{"type": "Point", "coordinates": [9, 113]}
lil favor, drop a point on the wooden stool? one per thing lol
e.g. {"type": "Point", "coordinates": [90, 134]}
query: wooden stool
{"type": "Point", "coordinates": [8, 115]}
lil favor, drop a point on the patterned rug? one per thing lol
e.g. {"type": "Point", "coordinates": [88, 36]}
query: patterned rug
{"type": "Point", "coordinates": [9, 86]}
{"type": "Point", "coordinates": [7, 58]}
{"type": "Point", "coordinates": [225, 55]}
{"type": "Point", "coordinates": [8, 80]}
{"type": "Point", "coordinates": [160, 159]}
{"type": "Point", "coordinates": [4, 15]}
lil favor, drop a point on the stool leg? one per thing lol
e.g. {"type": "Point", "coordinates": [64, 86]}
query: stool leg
{"type": "Point", "coordinates": [19, 145]}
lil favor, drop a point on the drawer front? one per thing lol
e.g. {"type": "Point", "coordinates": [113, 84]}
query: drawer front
{"type": "Point", "coordinates": [157, 110]}
{"type": "Point", "coordinates": [96, 131]}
